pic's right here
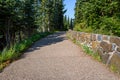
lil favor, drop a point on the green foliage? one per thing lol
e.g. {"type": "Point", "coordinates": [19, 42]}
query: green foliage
{"type": "Point", "coordinates": [91, 53]}
{"type": "Point", "coordinates": [52, 12]}
{"type": "Point", "coordinates": [16, 50]}
{"type": "Point", "coordinates": [25, 17]}
{"type": "Point", "coordinates": [7, 54]}
{"type": "Point", "coordinates": [82, 27]}
{"type": "Point", "coordinates": [98, 16]}
{"type": "Point", "coordinates": [19, 19]}
{"type": "Point", "coordinates": [114, 68]}
{"type": "Point", "coordinates": [68, 23]}
{"type": "Point", "coordinates": [87, 50]}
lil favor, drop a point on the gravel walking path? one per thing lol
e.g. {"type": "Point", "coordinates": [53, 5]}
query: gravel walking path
{"type": "Point", "coordinates": [56, 58]}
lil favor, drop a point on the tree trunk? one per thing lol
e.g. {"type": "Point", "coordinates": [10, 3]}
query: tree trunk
{"type": "Point", "coordinates": [19, 36]}
{"type": "Point", "coordinates": [12, 38]}
{"type": "Point", "coordinates": [7, 34]}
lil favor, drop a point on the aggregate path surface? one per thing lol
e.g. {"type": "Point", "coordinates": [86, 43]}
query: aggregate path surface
{"type": "Point", "coordinates": [56, 58]}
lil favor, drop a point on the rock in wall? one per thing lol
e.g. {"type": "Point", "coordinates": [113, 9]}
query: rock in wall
{"type": "Point", "coordinates": [108, 47]}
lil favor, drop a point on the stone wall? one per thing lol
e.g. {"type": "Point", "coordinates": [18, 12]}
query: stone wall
{"type": "Point", "coordinates": [108, 47]}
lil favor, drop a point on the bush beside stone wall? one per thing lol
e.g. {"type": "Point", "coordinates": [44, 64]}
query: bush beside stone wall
{"type": "Point", "coordinates": [108, 47]}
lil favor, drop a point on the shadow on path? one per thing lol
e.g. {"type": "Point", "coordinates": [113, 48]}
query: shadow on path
{"type": "Point", "coordinates": [51, 39]}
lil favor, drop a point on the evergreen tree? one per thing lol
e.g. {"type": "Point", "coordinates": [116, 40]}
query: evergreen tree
{"type": "Point", "coordinates": [21, 18]}
{"type": "Point", "coordinates": [68, 23]}
{"type": "Point", "coordinates": [52, 14]}
{"type": "Point", "coordinates": [98, 16]}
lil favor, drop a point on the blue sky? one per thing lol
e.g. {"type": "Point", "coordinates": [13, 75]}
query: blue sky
{"type": "Point", "coordinates": [70, 5]}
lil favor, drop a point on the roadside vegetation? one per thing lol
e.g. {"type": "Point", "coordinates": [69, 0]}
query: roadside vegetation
{"type": "Point", "coordinates": [89, 51]}
{"type": "Point", "coordinates": [14, 52]}
{"type": "Point", "coordinates": [22, 22]}
{"type": "Point", "coordinates": [19, 19]}
{"type": "Point", "coordinates": [98, 16]}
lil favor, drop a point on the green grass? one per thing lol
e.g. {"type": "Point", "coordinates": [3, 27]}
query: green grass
{"type": "Point", "coordinates": [88, 51]}
{"type": "Point", "coordinates": [15, 51]}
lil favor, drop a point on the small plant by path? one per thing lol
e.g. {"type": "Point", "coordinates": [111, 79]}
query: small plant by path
{"type": "Point", "coordinates": [87, 50]}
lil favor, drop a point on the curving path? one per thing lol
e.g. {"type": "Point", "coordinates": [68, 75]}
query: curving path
{"type": "Point", "coordinates": [56, 58]}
